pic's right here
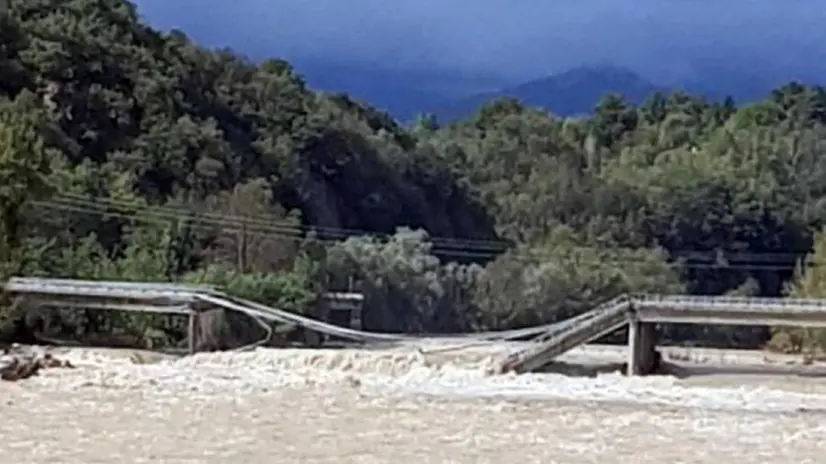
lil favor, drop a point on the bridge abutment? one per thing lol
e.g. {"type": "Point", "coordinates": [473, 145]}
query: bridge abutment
{"type": "Point", "coordinates": [643, 358]}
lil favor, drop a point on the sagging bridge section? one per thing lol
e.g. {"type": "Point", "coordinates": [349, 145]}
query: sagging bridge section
{"type": "Point", "coordinates": [195, 300]}
{"type": "Point", "coordinates": [640, 313]}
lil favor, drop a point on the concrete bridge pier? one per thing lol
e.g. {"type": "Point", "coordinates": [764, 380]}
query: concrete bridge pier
{"type": "Point", "coordinates": [643, 358]}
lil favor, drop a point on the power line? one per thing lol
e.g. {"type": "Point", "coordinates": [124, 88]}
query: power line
{"type": "Point", "coordinates": [270, 221]}
{"type": "Point", "coordinates": [279, 225]}
{"type": "Point", "coordinates": [209, 226]}
{"type": "Point", "coordinates": [262, 229]}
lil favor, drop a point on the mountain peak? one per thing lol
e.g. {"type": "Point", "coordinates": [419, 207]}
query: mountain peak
{"type": "Point", "coordinates": [568, 93]}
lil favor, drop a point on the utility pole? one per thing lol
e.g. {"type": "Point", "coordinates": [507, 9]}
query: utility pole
{"type": "Point", "coordinates": [241, 248]}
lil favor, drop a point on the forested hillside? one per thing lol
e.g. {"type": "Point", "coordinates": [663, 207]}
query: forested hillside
{"type": "Point", "coordinates": [128, 154]}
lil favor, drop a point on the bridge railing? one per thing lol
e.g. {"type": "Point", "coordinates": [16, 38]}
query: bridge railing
{"type": "Point", "coordinates": [730, 303]}
{"type": "Point", "coordinates": [105, 290]}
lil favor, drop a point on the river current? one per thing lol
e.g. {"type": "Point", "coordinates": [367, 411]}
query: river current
{"type": "Point", "coordinates": [398, 406]}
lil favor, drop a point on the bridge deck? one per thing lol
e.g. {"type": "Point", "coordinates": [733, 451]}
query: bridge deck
{"type": "Point", "coordinates": [552, 340]}
{"type": "Point", "coordinates": [651, 309]}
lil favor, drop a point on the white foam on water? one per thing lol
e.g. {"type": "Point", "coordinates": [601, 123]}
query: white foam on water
{"type": "Point", "coordinates": [618, 388]}
{"type": "Point", "coordinates": [399, 372]}
{"type": "Point", "coordinates": [405, 405]}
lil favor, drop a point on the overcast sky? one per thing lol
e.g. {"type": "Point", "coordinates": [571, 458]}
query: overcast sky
{"type": "Point", "coordinates": [512, 38]}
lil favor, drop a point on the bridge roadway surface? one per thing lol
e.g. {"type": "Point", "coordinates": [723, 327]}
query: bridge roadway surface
{"type": "Point", "coordinates": [550, 340]}
{"type": "Point", "coordinates": [652, 309]}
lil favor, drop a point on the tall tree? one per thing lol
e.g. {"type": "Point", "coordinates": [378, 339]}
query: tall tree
{"type": "Point", "coordinates": [23, 174]}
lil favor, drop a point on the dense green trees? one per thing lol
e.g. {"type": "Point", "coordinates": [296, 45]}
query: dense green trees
{"type": "Point", "coordinates": [130, 154]}
{"type": "Point", "coordinates": [809, 282]}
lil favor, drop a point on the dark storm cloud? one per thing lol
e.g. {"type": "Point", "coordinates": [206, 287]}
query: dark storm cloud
{"type": "Point", "coordinates": [514, 38]}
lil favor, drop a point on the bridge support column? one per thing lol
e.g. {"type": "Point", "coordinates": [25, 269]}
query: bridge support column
{"type": "Point", "coordinates": [642, 347]}
{"type": "Point", "coordinates": [192, 332]}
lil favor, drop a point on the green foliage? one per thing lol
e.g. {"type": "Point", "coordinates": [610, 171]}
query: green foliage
{"type": "Point", "coordinates": [406, 288]}
{"type": "Point", "coordinates": [23, 166]}
{"type": "Point", "coordinates": [130, 154]}
{"type": "Point", "coordinates": [561, 278]}
{"type": "Point", "coordinates": [809, 282]}
{"type": "Point", "coordinates": [290, 291]}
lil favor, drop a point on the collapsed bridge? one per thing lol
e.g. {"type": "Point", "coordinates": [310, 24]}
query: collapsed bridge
{"type": "Point", "coordinates": [640, 313]}
{"type": "Point", "coordinates": [195, 300]}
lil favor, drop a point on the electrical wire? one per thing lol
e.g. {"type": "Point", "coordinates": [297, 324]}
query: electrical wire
{"type": "Point", "coordinates": [457, 248]}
